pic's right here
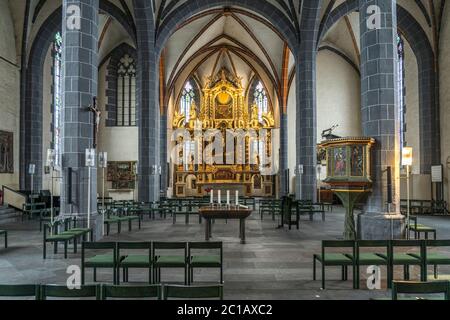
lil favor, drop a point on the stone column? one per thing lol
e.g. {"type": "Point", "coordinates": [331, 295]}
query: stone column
{"type": "Point", "coordinates": [379, 109]}
{"type": "Point", "coordinates": [284, 185]}
{"type": "Point", "coordinates": [147, 102]}
{"type": "Point", "coordinates": [163, 146]}
{"type": "Point", "coordinates": [79, 86]}
{"type": "Point", "coordinates": [306, 183]}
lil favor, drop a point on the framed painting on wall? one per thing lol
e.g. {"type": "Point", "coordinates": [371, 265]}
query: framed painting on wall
{"type": "Point", "coordinates": [6, 152]}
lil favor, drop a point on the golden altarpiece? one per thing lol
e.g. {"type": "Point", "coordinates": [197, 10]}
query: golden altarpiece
{"type": "Point", "coordinates": [225, 108]}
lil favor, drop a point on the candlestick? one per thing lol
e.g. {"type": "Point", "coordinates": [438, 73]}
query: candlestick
{"type": "Point", "coordinates": [228, 197]}
{"type": "Point", "coordinates": [212, 196]}
{"type": "Point", "coordinates": [237, 198]}
{"type": "Point", "coordinates": [218, 197]}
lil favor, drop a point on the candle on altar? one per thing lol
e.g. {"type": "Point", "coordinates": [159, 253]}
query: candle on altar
{"type": "Point", "coordinates": [228, 197]}
{"type": "Point", "coordinates": [218, 197]}
{"type": "Point", "coordinates": [237, 198]}
{"type": "Point", "coordinates": [212, 196]}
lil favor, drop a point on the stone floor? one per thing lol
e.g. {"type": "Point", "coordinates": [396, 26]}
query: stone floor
{"type": "Point", "coordinates": [274, 264]}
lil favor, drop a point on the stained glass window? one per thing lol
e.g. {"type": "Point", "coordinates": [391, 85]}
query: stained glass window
{"type": "Point", "coordinates": [126, 92]}
{"type": "Point", "coordinates": [187, 97]}
{"type": "Point", "coordinates": [57, 99]}
{"type": "Point", "coordinates": [401, 91]}
{"type": "Point", "coordinates": [260, 99]}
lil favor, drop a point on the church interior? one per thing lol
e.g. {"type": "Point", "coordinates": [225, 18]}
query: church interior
{"type": "Point", "coordinates": [251, 149]}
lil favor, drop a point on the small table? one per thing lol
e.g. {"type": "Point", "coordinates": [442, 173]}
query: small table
{"type": "Point", "coordinates": [224, 213]}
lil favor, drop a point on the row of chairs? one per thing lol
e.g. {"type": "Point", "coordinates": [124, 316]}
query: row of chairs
{"type": "Point", "coordinates": [4, 233]}
{"type": "Point", "coordinates": [118, 216]}
{"type": "Point", "coordinates": [153, 260]}
{"type": "Point", "coordinates": [105, 292]}
{"type": "Point", "coordinates": [381, 253]}
{"type": "Point", "coordinates": [64, 231]}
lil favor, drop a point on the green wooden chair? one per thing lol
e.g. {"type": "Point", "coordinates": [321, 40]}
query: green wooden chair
{"type": "Point", "coordinates": [169, 261]}
{"type": "Point", "coordinates": [4, 233]}
{"type": "Point", "coordinates": [131, 292]}
{"type": "Point", "coordinates": [364, 258]}
{"type": "Point", "coordinates": [20, 290]}
{"type": "Point", "coordinates": [407, 259]}
{"type": "Point", "coordinates": [82, 233]}
{"type": "Point", "coordinates": [205, 261]}
{"type": "Point", "coordinates": [340, 259]}
{"type": "Point", "coordinates": [422, 288]}
{"type": "Point", "coordinates": [193, 292]}
{"type": "Point", "coordinates": [135, 261]}
{"type": "Point", "coordinates": [110, 219]}
{"type": "Point", "coordinates": [435, 259]}
{"type": "Point", "coordinates": [31, 209]}
{"type": "Point", "coordinates": [57, 291]}
{"type": "Point", "coordinates": [56, 237]}
{"type": "Point", "coordinates": [100, 261]}
{"type": "Point", "coordinates": [419, 228]}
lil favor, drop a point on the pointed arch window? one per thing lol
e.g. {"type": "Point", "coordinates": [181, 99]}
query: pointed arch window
{"type": "Point", "coordinates": [401, 90]}
{"type": "Point", "coordinates": [126, 92]}
{"type": "Point", "coordinates": [187, 97]}
{"type": "Point", "coordinates": [261, 100]}
{"type": "Point", "coordinates": [57, 99]}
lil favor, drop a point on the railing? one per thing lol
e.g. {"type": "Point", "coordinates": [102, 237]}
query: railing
{"type": "Point", "coordinates": [13, 198]}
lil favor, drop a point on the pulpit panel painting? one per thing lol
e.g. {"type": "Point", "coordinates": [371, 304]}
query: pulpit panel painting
{"type": "Point", "coordinates": [357, 161]}
{"type": "Point", "coordinates": [6, 152]}
{"type": "Point", "coordinates": [340, 162]}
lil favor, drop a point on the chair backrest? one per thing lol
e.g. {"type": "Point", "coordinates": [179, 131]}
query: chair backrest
{"type": "Point", "coordinates": [193, 292]}
{"type": "Point", "coordinates": [169, 245]}
{"type": "Point", "coordinates": [339, 244]}
{"type": "Point", "coordinates": [131, 292]}
{"type": "Point", "coordinates": [134, 246]}
{"type": "Point", "coordinates": [20, 290]}
{"type": "Point", "coordinates": [371, 244]}
{"type": "Point", "coordinates": [98, 246]}
{"type": "Point", "coordinates": [55, 291]}
{"type": "Point", "coordinates": [407, 243]}
{"type": "Point", "coordinates": [206, 246]}
{"type": "Point", "coordinates": [410, 287]}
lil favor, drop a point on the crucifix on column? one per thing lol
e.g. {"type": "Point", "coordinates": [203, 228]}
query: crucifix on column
{"type": "Point", "coordinates": [96, 124]}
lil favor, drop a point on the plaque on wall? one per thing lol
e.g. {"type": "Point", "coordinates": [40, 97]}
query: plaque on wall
{"type": "Point", "coordinates": [121, 174]}
{"type": "Point", "coordinates": [6, 152]}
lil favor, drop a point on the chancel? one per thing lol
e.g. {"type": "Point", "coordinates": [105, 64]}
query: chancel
{"type": "Point", "coordinates": [199, 149]}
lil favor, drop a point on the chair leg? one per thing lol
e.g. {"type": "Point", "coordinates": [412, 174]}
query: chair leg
{"type": "Point", "coordinates": [435, 271]}
{"type": "Point", "coordinates": [82, 274]}
{"type": "Point", "coordinates": [95, 274]}
{"type": "Point", "coordinates": [314, 268]}
{"type": "Point", "coordinates": [150, 275]}
{"type": "Point", "coordinates": [44, 250]}
{"type": "Point", "coordinates": [323, 276]}
{"type": "Point", "coordinates": [65, 249]}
